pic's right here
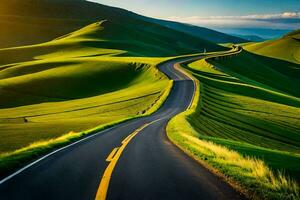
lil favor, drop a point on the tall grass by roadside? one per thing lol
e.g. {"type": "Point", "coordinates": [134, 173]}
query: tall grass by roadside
{"type": "Point", "coordinates": [247, 174]}
{"type": "Point", "coordinates": [10, 161]}
{"type": "Point", "coordinates": [159, 102]}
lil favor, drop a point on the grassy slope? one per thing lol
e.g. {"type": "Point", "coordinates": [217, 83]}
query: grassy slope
{"type": "Point", "coordinates": [102, 73]}
{"type": "Point", "coordinates": [286, 48]}
{"type": "Point", "coordinates": [249, 106]}
{"type": "Point", "coordinates": [72, 87]}
{"type": "Point", "coordinates": [136, 37]}
{"type": "Point", "coordinates": [251, 103]}
{"type": "Point", "coordinates": [235, 113]}
{"type": "Point", "coordinates": [71, 83]}
{"type": "Point", "coordinates": [94, 40]}
{"type": "Point", "coordinates": [51, 119]}
{"type": "Point", "coordinates": [236, 116]}
{"type": "Point", "coordinates": [269, 73]}
{"type": "Point", "coordinates": [32, 21]}
{"type": "Point", "coordinates": [35, 21]}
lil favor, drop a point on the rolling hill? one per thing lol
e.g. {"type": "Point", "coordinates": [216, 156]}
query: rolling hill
{"type": "Point", "coordinates": [35, 21]}
{"type": "Point", "coordinates": [97, 66]}
{"type": "Point", "coordinates": [286, 48]}
{"type": "Point", "coordinates": [98, 73]}
{"type": "Point", "coordinates": [65, 85]}
{"type": "Point", "coordinates": [250, 102]}
{"type": "Point", "coordinates": [244, 121]}
{"type": "Point", "coordinates": [137, 38]}
{"type": "Point", "coordinates": [21, 64]}
{"type": "Point", "coordinates": [243, 129]}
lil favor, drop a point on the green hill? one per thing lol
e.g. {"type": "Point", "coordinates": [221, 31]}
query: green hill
{"type": "Point", "coordinates": [241, 128]}
{"type": "Point", "coordinates": [136, 38]}
{"type": "Point", "coordinates": [78, 78]}
{"type": "Point", "coordinates": [50, 89]}
{"type": "Point", "coordinates": [26, 69]}
{"type": "Point", "coordinates": [35, 21]}
{"type": "Point", "coordinates": [250, 102]}
{"type": "Point", "coordinates": [286, 48]}
{"type": "Point", "coordinates": [270, 73]}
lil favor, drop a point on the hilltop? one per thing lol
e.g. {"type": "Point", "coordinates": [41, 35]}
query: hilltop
{"type": "Point", "coordinates": [35, 21]}
{"type": "Point", "coordinates": [285, 48]}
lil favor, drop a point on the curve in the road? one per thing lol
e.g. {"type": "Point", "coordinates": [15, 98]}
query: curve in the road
{"type": "Point", "coordinates": [150, 167]}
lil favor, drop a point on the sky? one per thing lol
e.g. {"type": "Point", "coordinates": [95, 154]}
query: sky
{"type": "Point", "coordinates": [276, 14]}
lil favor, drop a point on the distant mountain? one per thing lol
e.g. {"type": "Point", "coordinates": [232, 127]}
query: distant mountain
{"type": "Point", "coordinates": [201, 32]}
{"type": "Point", "coordinates": [35, 21]}
{"type": "Point", "coordinates": [252, 38]}
{"type": "Point", "coordinates": [260, 32]}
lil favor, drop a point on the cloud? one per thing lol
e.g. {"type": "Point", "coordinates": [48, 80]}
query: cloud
{"type": "Point", "coordinates": [286, 20]}
{"type": "Point", "coordinates": [284, 15]}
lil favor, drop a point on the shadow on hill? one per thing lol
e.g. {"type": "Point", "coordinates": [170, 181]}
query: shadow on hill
{"type": "Point", "coordinates": [269, 73]}
{"type": "Point", "coordinates": [32, 85]}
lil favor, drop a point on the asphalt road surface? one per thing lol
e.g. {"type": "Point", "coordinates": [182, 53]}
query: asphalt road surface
{"type": "Point", "coordinates": [132, 160]}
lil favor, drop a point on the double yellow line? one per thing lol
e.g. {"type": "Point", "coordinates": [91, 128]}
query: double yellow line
{"type": "Point", "coordinates": [113, 158]}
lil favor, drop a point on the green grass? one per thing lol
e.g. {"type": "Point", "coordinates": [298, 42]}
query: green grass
{"type": "Point", "coordinates": [100, 75]}
{"type": "Point", "coordinates": [40, 117]}
{"type": "Point", "coordinates": [51, 89]}
{"type": "Point", "coordinates": [242, 128]}
{"type": "Point", "coordinates": [255, 118]}
{"type": "Point", "coordinates": [271, 74]}
{"type": "Point", "coordinates": [59, 91]}
{"type": "Point", "coordinates": [33, 22]}
{"type": "Point", "coordinates": [248, 175]}
{"type": "Point", "coordinates": [51, 93]}
{"type": "Point", "coordinates": [286, 48]}
{"type": "Point", "coordinates": [12, 160]}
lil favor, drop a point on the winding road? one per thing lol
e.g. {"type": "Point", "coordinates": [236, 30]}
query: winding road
{"type": "Point", "coordinates": [132, 160]}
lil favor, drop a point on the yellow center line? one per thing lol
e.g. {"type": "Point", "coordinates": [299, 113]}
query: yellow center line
{"type": "Point", "coordinates": [111, 155]}
{"type": "Point", "coordinates": [127, 138]}
{"type": "Point", "coordinates": [113, 158]}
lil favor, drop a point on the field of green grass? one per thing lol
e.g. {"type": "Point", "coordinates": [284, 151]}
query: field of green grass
{"type": "Point", "coordinates": [51, 89]}
{"type": "Point", "coordinates": [286, 48]}
{"type": "Point", "coordinates": [245, 121]}
{"type": "Point", "coordinates": [248, 118]}
{"type": "Point", "coordinates": [56, 92]}
{"type": "Point", "coordinates": [53, 92]}
{"type": "Point", "coordinates": [102, 73]}
{"type": "Point", "coordinates": [32, 22]}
